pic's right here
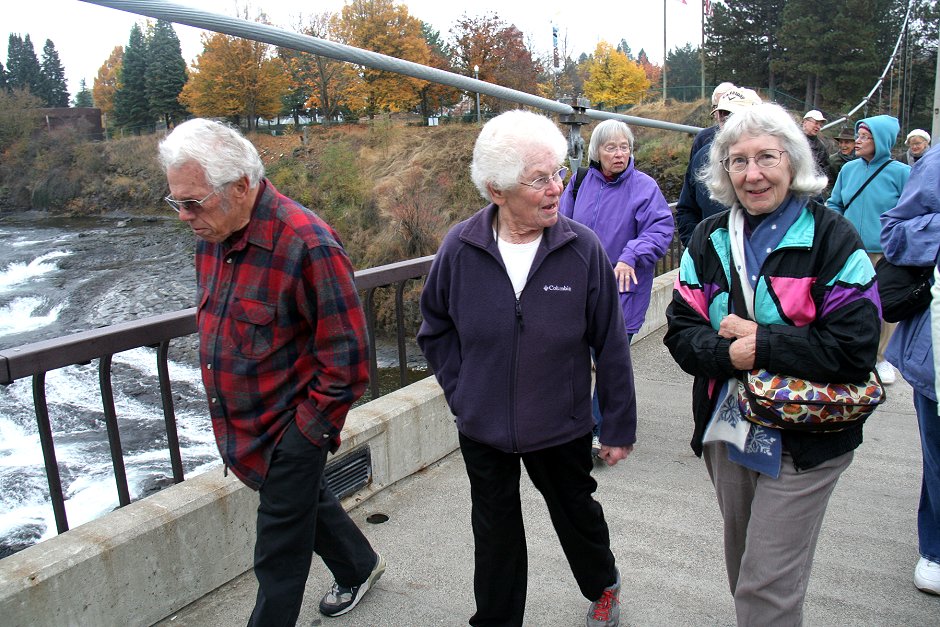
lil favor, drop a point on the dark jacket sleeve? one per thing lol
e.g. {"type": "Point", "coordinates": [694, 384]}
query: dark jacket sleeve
{"type": "Point", "coordinates": [437, 336]}
{"type": "Point", "coordinates": [690, 337]}
{"type": "Point", "coordinates": [608, 337]}
{"type": "Point", "coordinates": [688, 212]}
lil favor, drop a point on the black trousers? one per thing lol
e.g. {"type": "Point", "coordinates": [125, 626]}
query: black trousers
{"type": "Point", "coordinates": [563, 475]}
{"type": "Point", "coordinates": [298, 515]}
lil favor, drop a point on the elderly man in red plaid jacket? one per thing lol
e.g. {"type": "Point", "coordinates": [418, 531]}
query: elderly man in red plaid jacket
{"type": "Point", "coordinates": [284, 355]}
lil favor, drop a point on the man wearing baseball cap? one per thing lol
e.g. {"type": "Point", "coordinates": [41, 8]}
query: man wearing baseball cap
{"type": "Point", "coordinates": [705, 136]}
{"type": "Point", "coordinates": [812, 124]}
{"type": "Point", "coordinates": [695, 203]}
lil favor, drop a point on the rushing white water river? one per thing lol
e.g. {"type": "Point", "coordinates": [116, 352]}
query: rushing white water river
{"type": "Point", "coordinates": [59, 276]}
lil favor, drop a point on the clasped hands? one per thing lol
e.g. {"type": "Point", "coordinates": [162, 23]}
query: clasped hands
{"type": "Point", "coordinates": [743, 334]}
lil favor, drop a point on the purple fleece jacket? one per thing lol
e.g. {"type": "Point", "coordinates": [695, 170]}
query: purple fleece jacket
{"type": "Point", "coordinates": [634, 223]}
{"type": "Point", "coordinates": [517, 373]}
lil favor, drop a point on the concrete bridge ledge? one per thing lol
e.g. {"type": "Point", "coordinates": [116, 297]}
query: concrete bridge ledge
{"type": "Point", "coordinates": [140, 563]}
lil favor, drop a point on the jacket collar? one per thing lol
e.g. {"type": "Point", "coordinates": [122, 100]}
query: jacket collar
{"type": "Point", "coordinates": [478, 231]}
{"type": "Point", "coordinates": [623, 176]}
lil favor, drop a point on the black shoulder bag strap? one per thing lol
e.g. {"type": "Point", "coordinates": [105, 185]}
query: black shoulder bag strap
{"type": "Point", "coordinates": [865, 184]}
{"type": "Point", "coordinates": [578, 179]}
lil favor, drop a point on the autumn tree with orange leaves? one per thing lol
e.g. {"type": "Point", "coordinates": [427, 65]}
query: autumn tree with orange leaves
{"type": "Point", "coordinates": [106, 83]}
{"type": "Point", "coordinates": [384, 27]}
{"type": "Point", "coordinates": [654, 73]}
{"type": "Point", "coordinates": [613, 79]}
{"type": "Point", "coordinates": [237, 79]}
{"type": "Point", "coordinates": [499, 51]}
{"type": "Point", "coordinates": [317, 82]}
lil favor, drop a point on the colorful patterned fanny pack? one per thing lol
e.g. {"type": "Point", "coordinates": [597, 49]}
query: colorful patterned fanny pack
{"type": "Point", "coordinates": [784, 402]}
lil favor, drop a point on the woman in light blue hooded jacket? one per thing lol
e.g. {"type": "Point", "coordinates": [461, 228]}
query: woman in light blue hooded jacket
{"type": "Point", "coordinates": [874, 138]}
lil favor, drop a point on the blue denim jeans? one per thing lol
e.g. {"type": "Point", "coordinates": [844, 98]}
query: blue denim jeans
{"type": "Point", "coordinates": [928, 514]}
{"type": "Point", "coordinates": [595, 404]}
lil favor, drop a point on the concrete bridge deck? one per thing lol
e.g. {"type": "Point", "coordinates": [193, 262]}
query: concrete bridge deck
{"type": "Point", "coordinates": [665, 531]}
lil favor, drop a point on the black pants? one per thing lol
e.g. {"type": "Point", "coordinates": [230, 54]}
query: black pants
{"type": "Point", "coordinates": [297, 516]}
{"type": "Point", "coordinates": [563, 475]}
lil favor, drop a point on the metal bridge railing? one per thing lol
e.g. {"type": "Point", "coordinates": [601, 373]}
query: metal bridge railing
{"type": "Point", "coordinates": [37, 359]}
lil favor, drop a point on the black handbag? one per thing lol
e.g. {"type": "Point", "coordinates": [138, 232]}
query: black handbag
{"type": "Point", "coordinates": [904, 290]}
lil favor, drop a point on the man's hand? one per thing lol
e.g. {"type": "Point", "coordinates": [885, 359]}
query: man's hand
{"type": "Point", "coordinates": [624, 273]}
{"type": "Point", "coordinates": [613, 454]}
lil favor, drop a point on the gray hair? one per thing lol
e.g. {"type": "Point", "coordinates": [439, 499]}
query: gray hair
{"type": "Point", "coordinates": [605, 132]}
{"type": "Point", "coordinates": [507, 143]}
{"type": "Point", "coordinates": [754, 121]}
{"type": "Point", "coordinates": [223, 153]}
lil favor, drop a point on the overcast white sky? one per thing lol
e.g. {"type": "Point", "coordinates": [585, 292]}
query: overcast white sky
{"type": "Point", "coordinates": [84, 34]}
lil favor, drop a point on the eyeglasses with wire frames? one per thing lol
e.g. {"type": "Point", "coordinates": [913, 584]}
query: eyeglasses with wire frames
{"type": "Point", "coordinates": [769, 158]}
{"type": "Point", "coordinates": [192, 205]}
{"type": "Point", "coordinates": [543, 181]}
{"type": "Point", "coordinates": [612, 149]}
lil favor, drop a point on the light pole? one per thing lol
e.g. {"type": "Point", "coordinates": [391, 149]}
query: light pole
{"type": "Point", "coordinates": [476, 75]}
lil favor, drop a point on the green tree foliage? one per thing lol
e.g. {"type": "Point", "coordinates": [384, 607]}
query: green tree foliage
{"type": "Point", "coordinates": [433, 96]}
{"type": "Point", "coordinates": [741, 42]}
{"type": "Point", "coordinates": [165, 74]}
{"type": "Point", "coordinates": [83, 98]}
{"type": "Point", "coordinates": [828, 54]}
{"type": "Point", "coordinates": [52, 86]}
{"type": "Point", "coordinates": [684, 69]}
{"type": "Point", "coordinates": [18, 116]}
{"type": "Point", "coordinates": [131, 104]}
{"type": "Point", "coordinates": [921, 50]}
{"type": "Point", "coordinates": [22, 64]}
{"type": "Point", "coordinates": [3, 77]}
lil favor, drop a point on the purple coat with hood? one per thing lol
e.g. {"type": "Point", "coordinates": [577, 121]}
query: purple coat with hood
{"type": "Point", "coordinates": [634, 223]}
{"type": "Point", "coordinates": [517, 372]}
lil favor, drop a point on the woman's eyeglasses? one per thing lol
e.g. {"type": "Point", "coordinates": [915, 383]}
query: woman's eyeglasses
{"type": "Point", "coordinates": [543, 181]}
{"type": "Point", "coordinates": [764, 159]}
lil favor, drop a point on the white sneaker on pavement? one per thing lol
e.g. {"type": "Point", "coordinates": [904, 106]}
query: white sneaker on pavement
{"type": "Point", "coordinates": [885, 372]}
{"type": "Point", "coordinates": [927, 576]}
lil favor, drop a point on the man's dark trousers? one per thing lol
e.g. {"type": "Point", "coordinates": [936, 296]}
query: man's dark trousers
{"type": "Point", "coordinates": [297, 516]}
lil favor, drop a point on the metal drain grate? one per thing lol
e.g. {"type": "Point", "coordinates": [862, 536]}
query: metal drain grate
{"type": "Point", "coordinates": [352, 472]}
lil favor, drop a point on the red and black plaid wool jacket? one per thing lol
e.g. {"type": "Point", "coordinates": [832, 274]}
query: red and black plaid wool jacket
{"type": "Point", "coordinates": [282, 335]}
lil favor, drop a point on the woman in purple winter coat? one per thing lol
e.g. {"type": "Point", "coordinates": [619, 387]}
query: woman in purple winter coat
{"type": "Point", "coordinates": [630, 216]}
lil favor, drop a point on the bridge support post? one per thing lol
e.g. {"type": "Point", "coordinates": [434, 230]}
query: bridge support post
{"type": "Point", "coordinates": [574, 121]}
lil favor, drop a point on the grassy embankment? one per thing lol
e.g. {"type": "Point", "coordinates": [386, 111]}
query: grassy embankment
{"type": "Point", "coordinates": [390, 189]}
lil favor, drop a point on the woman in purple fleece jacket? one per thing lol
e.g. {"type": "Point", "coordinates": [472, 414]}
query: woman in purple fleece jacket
{"type": "Point", "coordinates": [630, 216]}
{"type": "Point", "coordinates": [515, 302]}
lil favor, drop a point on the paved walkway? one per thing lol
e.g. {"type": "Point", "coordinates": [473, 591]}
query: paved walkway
{"type": "Point", "coordinates": [665, 532]}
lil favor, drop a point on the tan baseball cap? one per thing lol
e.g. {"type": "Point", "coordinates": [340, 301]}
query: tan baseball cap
{"type": "Point", "coordinates": [813, 114]}
{"type": "Point", "coordinates": [736, 99]}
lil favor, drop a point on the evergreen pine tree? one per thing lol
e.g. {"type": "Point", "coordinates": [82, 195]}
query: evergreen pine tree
{"type": "Point", "coordinates": [83, 98]}
{"type": "Point", "coordinates": [52, 86]}
{"type": "Point", "coordinates": [165, 74]}
{"type": "Point", "coordinates": [131, 105]}
{"type": "Point", "coordinates": [22, 64]}
{"type": "Point", "coordinates": [3, 78]}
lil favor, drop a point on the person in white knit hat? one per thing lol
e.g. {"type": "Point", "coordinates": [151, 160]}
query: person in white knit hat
{"type": "Point", "coordinates": [918, 142]}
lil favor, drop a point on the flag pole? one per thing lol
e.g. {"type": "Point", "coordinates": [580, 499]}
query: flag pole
{"type": "Point", "coordinates": [664, 51]}
{"type": "Point", "coordinates": [701, 49]}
